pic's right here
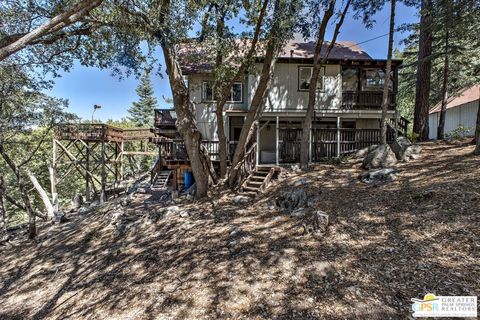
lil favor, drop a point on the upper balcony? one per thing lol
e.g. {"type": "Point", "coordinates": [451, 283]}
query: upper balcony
{"type": "Point", "coordinates": [366, 100]}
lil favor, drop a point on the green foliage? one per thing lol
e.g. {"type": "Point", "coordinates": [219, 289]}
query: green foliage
{"type": "Point", "coordinates": [142, 112]}
{"type": "Point", "coordinates": [459, 133]}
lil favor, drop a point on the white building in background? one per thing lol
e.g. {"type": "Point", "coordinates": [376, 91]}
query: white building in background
{"type": "Point", "coordinates": [462, 111]}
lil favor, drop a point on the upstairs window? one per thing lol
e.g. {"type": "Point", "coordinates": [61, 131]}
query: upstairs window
{"type": "Point", "coordinates": [236, 94]}
{"type": "Point", "coordinates": [208, 92]}
{"type": "Point", "coordinates": [350, 79]}
{"type": "Point", "coordinates": [373, 80]}
{"type": "Point", "coordinates": [305, 75]}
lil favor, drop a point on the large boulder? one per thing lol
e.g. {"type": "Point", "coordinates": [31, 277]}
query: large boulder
{"type": "Point", "coordinates": [360, 154]}
{"type": "Point", "coordinates": [289, 201]}
{"type": "Point", "coordinates": [378, 176]}
{"type": "Point", "coordinates": [404, 149]}
{"type": "Point", "coordinates": [380, 157]}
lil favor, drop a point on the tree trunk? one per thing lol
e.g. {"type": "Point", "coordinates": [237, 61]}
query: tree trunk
{"type": "Point", "coordinates": [317, 65]}
{"type": "Point", "coordinates": [43, 195]}
{"type": "Point", "coordinates": [424, 66]}
{"type": "Point", "coordinates": [443, 111]}
{"type": "Point", "coordinates": [3, 213]}
{"type": "Point", "coordinates": [65, 19]}
{"type": "Point", "coordinates": [477, 134]}
{"type": "Point", "coordinates": [184, 108]}
{"type": "Point", "coordinates": [32, 229]}
{"type": "Point", "coordinates": [224, 93]}
{"type": "Point", "coordinates": [386, 81]}
{"type": "Point", "coordinates": [255, 108]}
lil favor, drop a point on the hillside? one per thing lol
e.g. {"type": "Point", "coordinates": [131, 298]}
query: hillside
{"type": "Point", "coordinates": [216, 258]}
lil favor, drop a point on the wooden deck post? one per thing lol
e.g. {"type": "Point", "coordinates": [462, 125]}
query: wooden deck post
{"type": "Point", "coordinates": [87, 171]}
{"type": "Point", "coordinates": [277, 160]}
{"type": "Point", "coordinates": [257, 160]}
{"type": "Point", "coordinates": [53, 178]}
{"type": "Point", "coordinates": [338, 136]}
{"type": "Point", "coordinates": [103, 197]}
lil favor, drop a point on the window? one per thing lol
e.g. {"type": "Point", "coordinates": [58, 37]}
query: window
{"type": "Point", "coordinates": [237, 92]}
{"type": "Point", "coordinates": [350, 79]}
{"type": "Point", "coordinates": [207, 91]}
{"type": "Point", "coordinates": [305, 75]}
{"type": "Point", "coordinates": [374, 79]}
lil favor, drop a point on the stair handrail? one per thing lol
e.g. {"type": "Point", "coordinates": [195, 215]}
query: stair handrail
{"type": "Point", "coordinates": [247, 164]}
{"type": "Point", "coordinates": [155, 170]}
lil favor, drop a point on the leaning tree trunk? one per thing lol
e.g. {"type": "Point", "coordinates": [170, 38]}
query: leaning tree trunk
{"type": "Point", "coordinates": [443, 111]}
{"type": "Point", "coordinates": [186, 123]}
{"type": "Point", "coordinates": [225, 92]}
{"type": "Point", "coordinates": [424, 67]}
{"type": "Point", "coordinates": [317, 65]}
{"type": "Point", "coordinates": [477, 134]}
{"type": "Point", "coordinates": [43, 195]}
{"type": "Point", "coordinates": [61, 21]}
{"type": "Point", "coordinates": [255, 107]}
{"type": "Point", "coordinates": [3, 213]}
{"type": "Point", "coordinates": [32, 229]}
{"type": "Point", "coordinates": [386, 81]}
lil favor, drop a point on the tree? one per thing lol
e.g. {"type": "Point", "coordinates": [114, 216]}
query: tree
{"type": "Point", "coordinates": [386, 81]}
{"type": "Point", "coordinates": [142, 112]}
{"type": "Point", "coordinates": [317, 65]}
{"type": "Point", "coordinates": [49, 31]}
{"type": "Point", "coordinates": [227, 74]}
{"type": "Point", "coordinates": [424, 66]}
{"type": "Point", "coordinates": [477, 134]}
{"type": "Point", "coordinates": [280, 30]}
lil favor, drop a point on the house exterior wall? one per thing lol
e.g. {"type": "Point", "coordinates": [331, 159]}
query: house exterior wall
{"type": "Point", "coordinates": [464, 115]}
{"type": "Point", "coordinates": [205, 110]}
{"type": "Point", "coordinates": [285, 94]}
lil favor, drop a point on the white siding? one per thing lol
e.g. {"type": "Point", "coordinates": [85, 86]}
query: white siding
{"type": "Point", "coordinates": [464, 115]}
{"type": "Point", "coordinates": [205, 112]}
{"type": "Point", "coordinates": [284, 93]}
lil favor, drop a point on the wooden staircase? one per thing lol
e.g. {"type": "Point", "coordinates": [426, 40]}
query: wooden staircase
{"type": "Point", "coordinates": [161, 180]}
{"type": "Point", "coordinates": [258, 180]}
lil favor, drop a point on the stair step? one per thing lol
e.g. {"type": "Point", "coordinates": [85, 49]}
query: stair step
{"type": "Point", "coordinates": [249, 194]}
{"type": "Point", "coordinates": [259, 183]}
{"type": "Point", "coordinates": [251, 189]}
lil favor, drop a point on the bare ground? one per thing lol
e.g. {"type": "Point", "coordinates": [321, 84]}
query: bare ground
{"type": "Point", "coordinates": [385, 245]}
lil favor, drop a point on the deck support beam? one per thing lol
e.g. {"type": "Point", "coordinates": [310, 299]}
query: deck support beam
{"type": "Point", "coordinates": [338, 136]}
{"type": "Point", "coordinates": [277, 124]}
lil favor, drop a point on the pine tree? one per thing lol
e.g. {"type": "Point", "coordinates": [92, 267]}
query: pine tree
{"type": "Point", "coordinates": [142, 112]}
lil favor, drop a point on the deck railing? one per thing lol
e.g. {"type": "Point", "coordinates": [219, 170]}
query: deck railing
{"type": "Point", "coordinates": [165, 117]}
{"type": "Point", "coordinates": [99, 132]}
{"type": "Point", "coordinates": [359, 100]}
{"type": "Point", "coordinates": [326, 145]}
{"type": "Point", "coordinates": [248, 164]}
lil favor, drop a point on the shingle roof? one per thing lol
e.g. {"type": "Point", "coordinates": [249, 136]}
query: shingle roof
{"type": "Point", "coordinates": [197, 58]}
{"type": "Point", "coordinates": [465, 95]}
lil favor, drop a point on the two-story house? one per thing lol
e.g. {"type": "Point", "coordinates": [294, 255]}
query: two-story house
{"type": "Point", "coordinates": [347, 112]}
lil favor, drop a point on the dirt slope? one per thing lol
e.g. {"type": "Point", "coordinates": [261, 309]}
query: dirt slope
{"type": "Point", "coordinates": [385, 245]}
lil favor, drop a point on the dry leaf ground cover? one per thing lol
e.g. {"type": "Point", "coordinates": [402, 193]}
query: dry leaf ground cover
{"type": "Point", "coordinates": [384, 246]}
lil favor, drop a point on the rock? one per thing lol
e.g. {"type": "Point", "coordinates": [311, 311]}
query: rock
{"type": "Point", "coordinates": [290, 201]}
{"type": "Point", "coordinates": [77, 201]}
{"type": "Point", "coordinates": [172, 210]}
{"type": "Point", "coordinates": [235, 231]}
{"type": "Point", "coordinates": [360, 154]}
{"type": "Point", "coordinates": [404, 149]}
{"type": "Point", "coordinates": [184, 214]}
{"type": "Point", "coordinates": [301, 182]}
{"type": "Point", "coordinates": [83, 210]}
{"type": "Point", "coordinates": [189, 197]}
{"type": "Point", "coordinates": [60, 218]}
{"type": "Point", "coordinates": [141, 190]}
{"type": "Point", "coordinates": [377, 176]}
{"type": "Point", "coordinates": [239, 199]}
{"type": "Point", "coordinates": [380, 157]}
{"type": "Point", "coordinates": [317, 224]}
{"type": "Point", "coordinates": [298, 213]}
{"type": "Point", "coordinates": [125, 202]}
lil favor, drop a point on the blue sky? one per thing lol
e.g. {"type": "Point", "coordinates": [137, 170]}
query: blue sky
{"type": "Point", "coordinates": [84, 87]}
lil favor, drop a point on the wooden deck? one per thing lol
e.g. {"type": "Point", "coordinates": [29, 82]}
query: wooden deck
{"type": "Point", "coordinates": [100, 132]}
